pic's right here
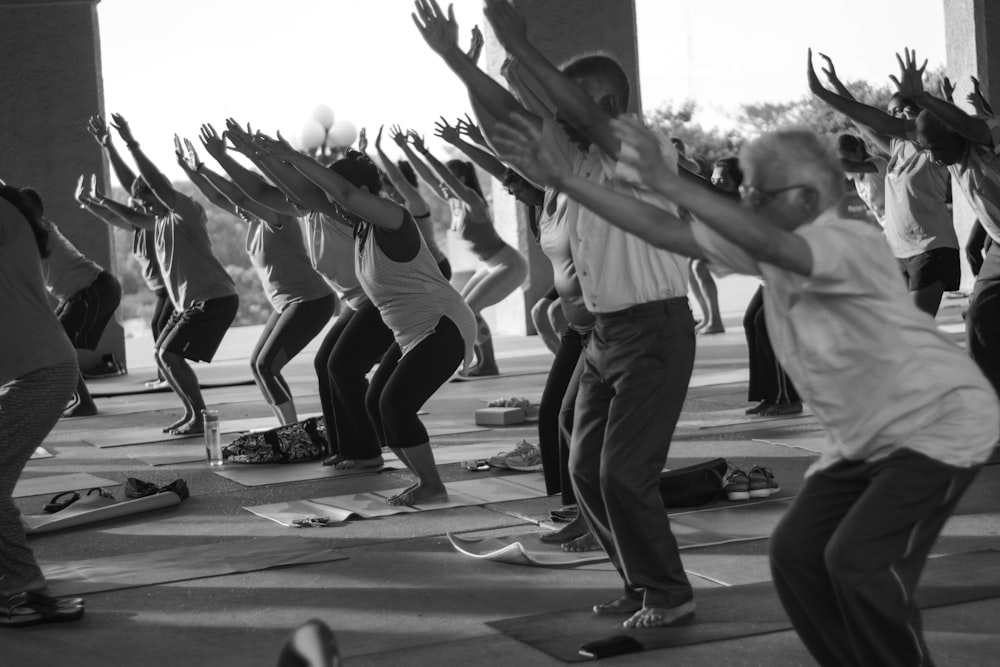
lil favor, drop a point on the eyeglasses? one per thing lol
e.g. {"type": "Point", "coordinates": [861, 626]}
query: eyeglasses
{"type": "Point", "coordinates": [312, 521]}
{"type": "Point", "coordinates": [758, 198]}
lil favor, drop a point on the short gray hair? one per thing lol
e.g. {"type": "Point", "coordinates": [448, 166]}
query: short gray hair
{"type": "Point", "coordinates": [801, 151]}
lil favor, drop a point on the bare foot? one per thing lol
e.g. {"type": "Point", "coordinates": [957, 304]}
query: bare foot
{"type": "Point", "coordinates": [759, 408]}
{"type": "Point", "coordinates": [392, 499]}
{"type": "Point", "coordinates": [421, 495]}
{"type": "Point", "coordinates": [332, 460]}
{"type": "Point", "coordinates": [586, 542]}
{"type": "Point", "coordinates": [710, 329]}
{"type": "Point", "coordinates": [359, 464]}
{"type": "Point", "coordinates": [483, 370]}
{"type": "Point", "coordinates": [177, 424]}
{"type": "Point", "coordinates": [80, 409]}
{"type": "Point", "coordinates": [661, 617]}
{"type": "Point", "coordinates": [623, 605]}
{"type": "Point", "coordinates": [570, 531]}
{"type": "Point", "coordinates": [193, 427]}
{"type": "Point", "coordinates": [781, 409]}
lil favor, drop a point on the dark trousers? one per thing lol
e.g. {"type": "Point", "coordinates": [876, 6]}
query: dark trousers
{"type": "Point", "coordinates": [555, 451]}
{"type": "Point", "coordinates": [638, 364]}
{"type": "Point", "coordinates": [847, 556]}
{"type": "Point", "coordinates": [982, 320]}
{"type": "Point", "coordinates": [402, 384]}
{"type": "Point", "coordinates": [768, 380]}
{"type": "Point", "coordinates": [355, 343]}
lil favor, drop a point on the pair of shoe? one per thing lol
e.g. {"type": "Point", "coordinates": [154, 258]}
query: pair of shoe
{"type": "Point", "coordinates": [525, 457]}
{"type": "Point", "coordinates": [758, 483]}
{"type": "Point", "coordinates": [109, 367]}
{"type": "Point", "coordinates": [95, 497]}
{"type": "Point", "coordinates": [32, 608]}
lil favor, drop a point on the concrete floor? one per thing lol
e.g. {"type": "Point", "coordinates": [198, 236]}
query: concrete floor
{"type": "Point", "coordinates": [403, 596]}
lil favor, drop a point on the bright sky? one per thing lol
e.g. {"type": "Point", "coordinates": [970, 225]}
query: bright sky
{"type": "Point", "coordinates": [170, 65]}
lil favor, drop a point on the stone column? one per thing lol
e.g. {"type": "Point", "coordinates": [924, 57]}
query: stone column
{"type": "Point", "coordinates": [562, 29]}
{"type": "Point", "coordinates": [51, 84]}
{"type": "Point", "coordinates": [968, 25]}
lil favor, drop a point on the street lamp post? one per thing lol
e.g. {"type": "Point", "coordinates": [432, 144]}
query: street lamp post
{"type": "Point", "coordinates": [325, 137]}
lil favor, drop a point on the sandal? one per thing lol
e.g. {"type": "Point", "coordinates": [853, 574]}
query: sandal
{"type": "Point", "coordinates": [25, 609]}
{"type": "Point", "coordinates": [59, 503]}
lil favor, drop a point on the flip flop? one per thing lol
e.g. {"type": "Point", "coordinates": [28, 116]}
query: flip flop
{"type": "Point", "coordinates": [26, 609]}
{"type": "Point", "coordinates": [61, 501]}
{"type": "Point", "coordinates": [44, 599]}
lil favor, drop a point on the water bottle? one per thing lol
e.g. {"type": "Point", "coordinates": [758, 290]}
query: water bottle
{"type": "Point", "coordinates": [213, 437]}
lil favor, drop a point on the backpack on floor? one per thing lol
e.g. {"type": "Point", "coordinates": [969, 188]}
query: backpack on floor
{"type": "Point", "coordinates": [694, 485]}
{"type": "Point", "coordinates": [294, 443]}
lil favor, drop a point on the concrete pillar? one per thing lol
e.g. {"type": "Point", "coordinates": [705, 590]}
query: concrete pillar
{"type": "Point", "coordinates": [562, 29]}
{"type": "Point", "coordinates": [51, 83]}
{"type": "Point", "coordinates": [968, 25]}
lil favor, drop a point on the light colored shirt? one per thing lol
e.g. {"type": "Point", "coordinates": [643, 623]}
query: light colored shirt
{"type": "Point", "coordinates": [554, 240]}
{"type": "Point", "coordinates": [412, 296]}
{"type": "Point", "coordinates": [191, 271]}
{"type": "Point", "coordinates": [917, 218]}
{"type": "Point", "coordinates": [31, 338]}
{"type": "Point", "coordinates": [871, 186]}
{"type": "Point", "coordinates": [875, 370]}
{"type": "Point", "coordinates": [144, 251]}
{"type": "Point", "coordinates": [66, 270]}
{"type": "Point", "coordinates": [278, 252]}
{"type": "Point", "coordinates": [330, 244]}
{"type": "Point", "coordinates": [978, 176]}
{"type": "Point", "coordinates": [616, 269]}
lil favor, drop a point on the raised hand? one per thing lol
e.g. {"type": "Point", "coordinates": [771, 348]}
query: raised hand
{"type": "Point", "coordinates": [179, 150]}
{"type": "Point", "coordinates": [95, 191]}
{"type": "Point", "coordinates": [467, 127]}
{"type": "Point", "coordinates": [520, 144]}
{"type": "Point", "coordinates": [276, 148]}
{"type": "Point", "coordinates": [910, 81]}
{"type": "Point", "coordinates": [830, 72]}
{"type": "Point", "coordinates": [80, 193]}
{"type": "Point", "coordinates": [416, 140]}
{"type": "Point", "coordinates": [363, 140]}
{"type": "Point", "coordinates": [440, 32]}
{"type": "Point", "coordinates": [947, 90]}
{"type": "Point", "coordinates": [241, 139]}
{"type": "Point", "coordinates": [190, 155]}
{"type": "Point", "coordinates": [124, 131]}
{"type": "Point", "coordinates": [446, 131]}
{"type": "Point", "coordinates": [476, 46]}
{"type": "Point", "coordinates": [213, 143]}
{"type": "Point", "coordinates": [99, 129]}
{"type": "Point", "coordinates": [978, 100]}
{"type": "Point", "coordinates": [641, 150]}
{"type": "Point", "coordinates": [814, 84]}
{"type": "Point", "coordinates": [396, 134]}
{"type": "Point", "coordinates": [378, 138]}
{"type": "Point", "coordinates": [508, 24]}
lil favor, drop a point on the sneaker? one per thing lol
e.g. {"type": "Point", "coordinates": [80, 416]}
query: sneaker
{"type": "Point", "coordinates": [156, 384]}
{"type": "Point", "coordinates": [736, 484]}
{"type": "Point", "coordinates": [528, 460]}
{"type": "Point", "coordinates": [761, 482]}
{"type": "Point", "coordinates": [500, 459]}
{"type": "Point", "coordinates": [108, 367]}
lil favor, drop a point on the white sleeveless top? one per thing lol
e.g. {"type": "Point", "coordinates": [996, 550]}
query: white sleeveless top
{"type": "Point", "coordinates": [412, 296]}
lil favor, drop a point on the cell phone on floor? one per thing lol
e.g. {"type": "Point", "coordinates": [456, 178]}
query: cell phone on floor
{"type": "Point", "coordinates": [605, 648]}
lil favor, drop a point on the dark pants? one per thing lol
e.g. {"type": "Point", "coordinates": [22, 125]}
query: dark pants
{"type": "Point", "coordinates": [982, 320]}
{"type": "Point", "coordinates": [637, 367]}
{"type": "Point", "coordinates": [768, 380]}
{"type": "Point", "coordinates": [402, 384]}
{"type": "Point", "coordinates": [554, 458]}
{"type": "Point", "coordinates": [355, 343]}
{"type": "Point", "coordinates": [283, 337]}
{"type": "Point", "coordinates": [85, 314]}
{"type": "Point", "coordinates": [847, 556]}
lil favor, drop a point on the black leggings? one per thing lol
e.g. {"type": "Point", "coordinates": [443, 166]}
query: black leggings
{"type": "Point", "coordinates": [353, 345]}
{"type": "Point", "coordinates": [401, 386]}
{"type": "Point", "coordinates": [284, 336]}
{"type": "Point", "coordinates": [554, 459]}
{"type": "Point", "coordinates": [768, 381]}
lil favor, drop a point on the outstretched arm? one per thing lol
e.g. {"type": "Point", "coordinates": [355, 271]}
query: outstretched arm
{"type": "Point", "coordinates": [89, 202]}
{"type": "Point", "coordinates": [978, 100]}
{"type": "Point", "coordinates": [591, 118]}
{"type": "Point", "coordinates": [99, 129]}
{"type": "Point", "coordinates": [369, 207]}
{"type": "Point", "coordinates": [158, 183]}
{"type": "Point", "coordinates": [194, 169]}
{"type": "Point", "coordinates": [486, 160]}
{"type": "Point", "coordinates": [520, 144]}
{"type": "Point", "coordinates": [127, 214]}
{"type": "Point", "coordinates": [910, 84]}
{"type": "Point", "coordinates": [469, 196]}
{"type": "Point", "coordinates": [423, 171]}
{"type": "Point", "coordinates": [872, 119]}
{"type": "Point", "coordinates": [415, 202]}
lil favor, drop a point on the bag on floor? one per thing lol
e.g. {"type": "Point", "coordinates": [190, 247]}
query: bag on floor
{"type": "Point", "coordinates": [694, 485]}
{"type": "Point", "coordinates": [294, 443]}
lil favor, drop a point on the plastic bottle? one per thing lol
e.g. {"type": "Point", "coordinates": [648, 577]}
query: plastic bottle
{"type": "Point", "coordinates": [213, 437]}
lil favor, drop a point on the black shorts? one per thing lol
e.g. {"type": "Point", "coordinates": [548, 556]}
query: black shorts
{"type": "Point", "coordinates": [939, 265]}
{"type": "Point", "coordinates": [196, 332]}
{"type": "Point", "coordinates": [85, 314]}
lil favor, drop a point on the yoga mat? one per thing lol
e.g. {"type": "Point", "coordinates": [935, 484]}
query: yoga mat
{"type": "Point", "coordinates": [375, 503]}
{"type": "Point", "coordinates": [209, 377]}
{"type": "Point", "coordinates": [505, 374]}
{"type": "Point", "coordinates": [112, 573]}
{"type": "Point", "coordinates": [77, 481]}
{"type": "Point", "coordinates": [80, 514]}
{"type": "Point", "coordinates": [731, 612]}
{"type": "Point", "coordinates": [168, 454]}
{"type": "Point", "coordinates": [735, 417]}
{"type": "Point", "coordinates": [701, 528]}
{"type": "Point", "coordinates": [122, 437]}
{"type": "Point", "coordinates": [41, 453]}
{"type": "Point", "coordinates": [812, 443]}
{"type": "Point", "coordinates": [283, 473]}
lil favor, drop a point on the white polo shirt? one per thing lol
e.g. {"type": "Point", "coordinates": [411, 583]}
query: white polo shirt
{"type": "Point", "coordinates": [876, 371]}
{"type": "Point", "coordinates": [978, 176]}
